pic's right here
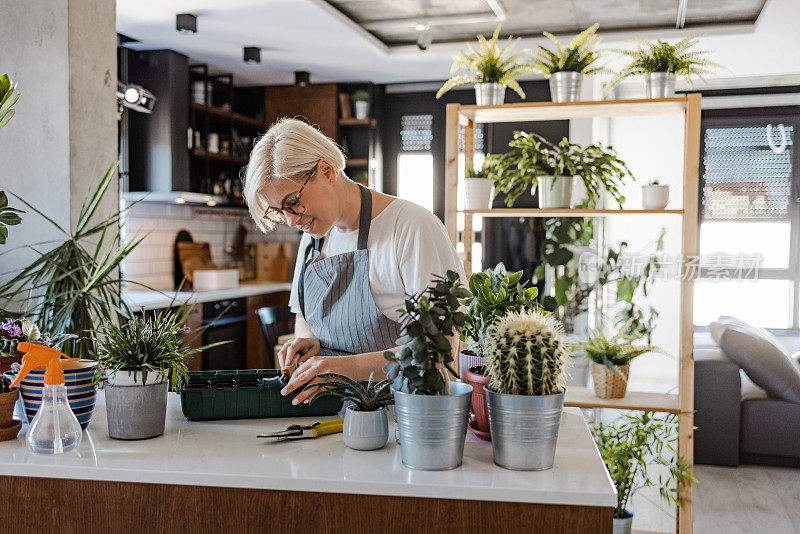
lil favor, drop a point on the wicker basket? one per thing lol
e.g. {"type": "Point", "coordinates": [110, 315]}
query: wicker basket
{"type": "Point", "coordinates": [607, 383]}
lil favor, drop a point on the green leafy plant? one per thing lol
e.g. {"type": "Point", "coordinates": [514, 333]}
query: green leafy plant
{"type": "Point", "coordinates": [633, 444]}
{"type": "Point", "coordinates": [580, 55]}
{"type": "Point", "coordinates": [527, 353]}
{"type": "Point", "coordinates": [8, 217]}
{"type": "Point", "coordinates": [495, 293]}
{"type": "Point", "coordinates": [488, 64]}
{"type": "Point", "coordinates": [429, 318]}
{"type": "Point", "coordinates": [361, 96]}
{"type": "Point", "coordinates": [14, 331]}
{"type": "Point", "coordinates": [74, 284]}
{"type": "Point", "coordinates": [365, 398]}
{"type": "Point", "coordinates": [597, 166]}
{"type": "Point", "coordinates": [488, 168]}
{"type": "Point", "coordinates": [615, 351]}
{"type": "Point", "coordinates": [661, 56]}
{"type": "Point", "coordinates": [8, 97]}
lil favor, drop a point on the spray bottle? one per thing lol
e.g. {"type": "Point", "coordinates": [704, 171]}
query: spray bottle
{"type": "Point", "coordinates": [55, 428]}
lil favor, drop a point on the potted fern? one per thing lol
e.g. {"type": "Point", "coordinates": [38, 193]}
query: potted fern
{"type": "Point", "coordinates": [490, 68]}
{"type": "Point", "coordinates": [660, 62]}
{"type": "Point", "coordinates": [567, 67]}
{"type": "Point", "coordinates": [431, 414]}
{"type": "Point", "coordinates": [366, 427]}
{"type": "Point", "coordinates": [611, 360]}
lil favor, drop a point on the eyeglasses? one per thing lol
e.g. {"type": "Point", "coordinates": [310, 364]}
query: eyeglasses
{"type": "Point", "coordinates": [290, 205]}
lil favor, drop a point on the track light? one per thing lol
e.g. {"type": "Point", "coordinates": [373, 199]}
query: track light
{"type": "Point", "coordinates": [186, 23]}
{"type": "Point", "coordinates": [252, 54]}
{"type": "Point", "coordinates": [302, 78]}
{"type": "Point", "coordinates": [135, 97]}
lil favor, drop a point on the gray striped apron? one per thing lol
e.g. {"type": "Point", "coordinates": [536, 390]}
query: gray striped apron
{"type": "Point", "coordinates": [336, 300]}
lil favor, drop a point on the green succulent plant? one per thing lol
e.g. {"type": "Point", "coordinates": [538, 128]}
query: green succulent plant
{"type": "Point", "coordinates": [488, 64]}
{"type": "Point", "coordinates": [614, 351]}
{"type": "Point", "coordinates": [495, 293]}
{"type": "Point", "coordinates": [361, 96]}
{"type": "Point", "coordinates": [527, 353]}
{"type": "Point", "coordinates": [365, 398]}
{"type": "Point", "coordinates": [430, 317]}
{"type": "Point", "coordinates": [8, 97]}
{"type": "Point", "coordinates": [580, 55]}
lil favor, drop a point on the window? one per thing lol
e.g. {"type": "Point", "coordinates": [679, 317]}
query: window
{"type": "Point", "coordinates": [748, 210]}
{"type": "Point", "coordinates": [415, 161]}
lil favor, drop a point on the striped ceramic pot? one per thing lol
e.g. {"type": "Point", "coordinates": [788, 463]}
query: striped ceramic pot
{"type": "Point", "coordinates": [81, 391]}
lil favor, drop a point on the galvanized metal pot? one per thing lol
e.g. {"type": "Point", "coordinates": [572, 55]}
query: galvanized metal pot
{"type": "Point", "coordinates": [433, 427]}
{"type": "Point", "coordinates": [136, 412]}
{"type": "Point", "coordinates": [490, 94]}
{"type": "Point", "coordinates": [555, 191]}
{"type": "Point", "coordinates": [659, 84]}
{"type": "Point", "coordinates": [524, 429]}
{"type": "Point", "coordinates": [565, 86]}
{"type": "Point", "coordinates": [623, 525]}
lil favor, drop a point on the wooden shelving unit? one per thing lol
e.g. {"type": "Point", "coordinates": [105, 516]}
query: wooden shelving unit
{"type": "Point", "coordinates": [689, 107]}
{"type": "Point", "coordinates": [218, 156]}
{"type": "Point", "coordinates": [357, 122]}
{"type": "Point", "coordinates": [226, 114]}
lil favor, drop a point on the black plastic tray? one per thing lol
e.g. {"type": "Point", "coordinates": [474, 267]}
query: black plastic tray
{"type": "Point", "coordinates": [209, 395]}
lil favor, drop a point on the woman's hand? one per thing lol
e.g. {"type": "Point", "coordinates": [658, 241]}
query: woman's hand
{"type": "Point", "coordinates": [311, 367]}
{"type": "Point", "coordinates": [297, 350]}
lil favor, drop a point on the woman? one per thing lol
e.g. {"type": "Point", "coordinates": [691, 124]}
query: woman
{"type": "Point", "coordinates": [361, 253]}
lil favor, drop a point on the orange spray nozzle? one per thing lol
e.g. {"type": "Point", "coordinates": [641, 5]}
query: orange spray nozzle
{"type": "Point", "coordinates": [37, 356]}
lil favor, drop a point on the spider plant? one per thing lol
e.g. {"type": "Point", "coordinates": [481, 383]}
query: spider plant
{"type": "Point", "coordinates": [366, 398]}
{"type": "Point", "coordinates": [580, 55]}
{"type": "Point", "coordinates": [73, 282]}
{"type": "Point", "coordinates": [661, 56]}
{"type": "Point", "coordinates": [615, 351]}
{"type": "Point", "coordinates": [488, 64]}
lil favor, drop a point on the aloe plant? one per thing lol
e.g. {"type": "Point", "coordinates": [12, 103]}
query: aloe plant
{"type": "Point", "coordinates": [365, 398]}
{"type": "Point", "coordinates": [580, 55]}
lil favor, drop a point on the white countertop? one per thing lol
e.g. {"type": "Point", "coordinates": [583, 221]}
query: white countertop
{"type": "Point", "coordinates": [152, 300]}
{"type": "Point", "coordinates": [228, 454]}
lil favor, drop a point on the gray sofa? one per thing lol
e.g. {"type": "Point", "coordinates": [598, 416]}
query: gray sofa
{"type": "Point", "coordinates": [737, 421]}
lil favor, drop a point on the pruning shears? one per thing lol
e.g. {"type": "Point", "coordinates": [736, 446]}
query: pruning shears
{"type": "Point", "coordinates": [307, 431]}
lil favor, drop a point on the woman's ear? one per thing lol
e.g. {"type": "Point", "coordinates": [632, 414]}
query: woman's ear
{"type": "Point", "coordinates": [327, 170]}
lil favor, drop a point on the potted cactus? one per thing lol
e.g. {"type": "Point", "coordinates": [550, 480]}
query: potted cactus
{"type": "Point", "coordinates": [495, 293]}
{"type": "Point", "coordinates": [366, 427]}
{"type": "Point", "coordinates": [431, 414]}
{"type": "Point", "coordinates": [527, 356]}
{"type": "Point", "coordinates": [655, 196]}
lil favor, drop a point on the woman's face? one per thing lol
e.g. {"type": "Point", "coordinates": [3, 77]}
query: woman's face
{"type": "Point", "coordinates": [315, 203]}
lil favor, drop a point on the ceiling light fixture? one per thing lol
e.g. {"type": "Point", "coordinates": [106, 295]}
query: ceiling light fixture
{"type": "Point", "coordinates": [302, 78]}
{"type": "Point", "coordinates": [252, 55]}
{"type": "Point", "coordinates": [186, 23]}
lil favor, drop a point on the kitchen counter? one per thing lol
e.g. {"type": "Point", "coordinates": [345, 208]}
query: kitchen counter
{"type": "Point", "coordinates": [153, 300]}
{"type": "Point", "coordinates": [226, 454]}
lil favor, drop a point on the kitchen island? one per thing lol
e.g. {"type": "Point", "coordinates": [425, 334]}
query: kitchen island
{"type": "Point", "coordinates": [216, 475]}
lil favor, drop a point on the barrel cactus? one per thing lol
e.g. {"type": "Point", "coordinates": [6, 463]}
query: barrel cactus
{"type": "Point", "coordinates": [527, 353]}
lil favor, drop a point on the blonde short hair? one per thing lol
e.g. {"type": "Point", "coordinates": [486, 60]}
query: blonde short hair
{"type": "Point", "coordinates": [288, 151]}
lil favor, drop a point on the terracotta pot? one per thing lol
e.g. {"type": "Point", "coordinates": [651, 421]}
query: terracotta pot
{"type": "Point", "coordinates": [607, 383]}
{"type": "Point", "coordinates": [7, 402]}
{"type": "Point", "coordinates": [475, 378]}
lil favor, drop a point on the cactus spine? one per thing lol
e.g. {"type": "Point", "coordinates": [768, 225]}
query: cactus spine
{"type": "Point", "coordinates": [527, 353]}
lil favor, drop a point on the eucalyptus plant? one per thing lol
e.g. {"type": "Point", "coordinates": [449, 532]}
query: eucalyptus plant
{"type": "Point", "coordinates": [367, 397]}
{"type": "Point", "coordinates": [580, 55]}
{"type": "Point", "coordinates": [615, 351]}
{"type": "Point", "coordinates": [632, 445]}
{"type": "Point", "coordinates": [495, 293]}
{"type": "Point", "coordinates": [488, 64]}
{"type": "Point", "coordinates": [73, 282]}
{"type": "Point", "coordinates": [597, 166]}
{"type": "Point", "coordinates": [662, 56]}
{"type": "Point", "coordinates": [429, 318]}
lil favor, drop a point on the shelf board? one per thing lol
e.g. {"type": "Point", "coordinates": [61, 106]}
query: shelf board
{"type": "Point", "coordinates": [357, 162]}
{"type": "Point", "coordinates": [225, 114]}
{"type": "Point", "coordinates": [357, 122]}
{"type": "Point", "coordinates": [552, 111]}
{"type": "Point", "coordinates": [203, 154]}
{"type": "Point", "coordinates": [563, 212]}
{"type": "Point", "coordinates": [633, 400]}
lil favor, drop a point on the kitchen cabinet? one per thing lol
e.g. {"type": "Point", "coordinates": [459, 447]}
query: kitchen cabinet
{"type": "Point", "coordinates": [317, 104]}
{"type": "Point", "coordinates": [259, 356]}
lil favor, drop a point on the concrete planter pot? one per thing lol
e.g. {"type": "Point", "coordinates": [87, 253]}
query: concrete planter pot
{"type": "Point", "coordinates": [134, 378]}
{"type": "Point", "coordinates": [566, 86]}
{"type": "Point", "coordinates": [490, 94]}
{"type": "Point", "coordinates": [555, 191]}
{"type": "Point", "coordinates": [478, 193]}
{"type": "Point", "coordinates": [136, 412]}
{"type": "Point", "coordinates": [655, 197]}
{"type": "Point", "coordinates": [365, 431]}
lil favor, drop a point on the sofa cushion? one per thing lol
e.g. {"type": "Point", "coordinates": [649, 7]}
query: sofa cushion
{"type": "Point", "coordinates": [717, 327]}
{"type": "Point", "coordinates": [764, 360]}
{"type": "Point", "coordinates": [770, 428]}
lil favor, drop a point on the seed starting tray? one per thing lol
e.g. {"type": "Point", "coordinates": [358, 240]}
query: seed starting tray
{"type": "Point", "coordinates": [209, 395]}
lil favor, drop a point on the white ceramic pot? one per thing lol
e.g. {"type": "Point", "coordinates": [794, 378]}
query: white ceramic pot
{"type": "Point", "coordinates": [134, 378]}
{"type": "Point", "coordinates": [555, 191]}
{"type": "Point", "coordinates": [655, 197]}
{"type": "Point", "coordinates": [365, 431]}
{"type": "Point", "coordinates": [623, 525]}
{"type": "Point", "coordinates": [478, 193]}
{"type": "Point", "coordinates": [362, 108]}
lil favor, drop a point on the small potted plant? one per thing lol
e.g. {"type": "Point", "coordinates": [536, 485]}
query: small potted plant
{"type": "Point", "coordinates": [660, 62]}
{"type": "Point", "coordinates": [611, 359]}
{"type": "Point", "coordinates": [478, 185]}
{"type": "Point", "coordinates": [555, 168]}
{"type": "Point", "coordinates": [567, 67]}
{"type": "Point", "coordinates": [141, 360]}
{"type": "Point", "coordinates": [495, 293]}
{"type": "Point", "coordinates": [628, 447]}
{"type": "Point", "coordinates": [655, 196]}
{"type": "Point", "coordinates": [7, 101]}
{"type": "Point", "coordinates": [366, 427]}
{"type": "Point", "coordinates": [490, 68]}
{"type": "Point", "coordinates": [431, 414]}
{"type": "Point", "coordinates": [361, 101]}
{"type": "Point", "coordinates": [8, 399]}
{"type": "Point", "coordinates": [527, 357]}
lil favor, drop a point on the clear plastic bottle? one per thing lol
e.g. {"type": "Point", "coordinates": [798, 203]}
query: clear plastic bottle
{"type": "Point", "coordinates": [54, 429]}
